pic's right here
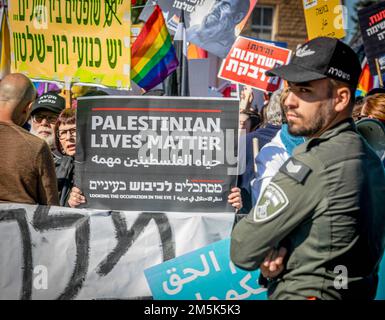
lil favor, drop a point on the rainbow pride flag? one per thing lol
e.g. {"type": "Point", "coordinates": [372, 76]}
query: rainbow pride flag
{"type": "Point", "coordinates": [366, 81]}
{"type": "Point", "coordinates": [153, 54]}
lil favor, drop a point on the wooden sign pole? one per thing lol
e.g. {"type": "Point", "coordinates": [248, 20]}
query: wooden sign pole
{"type": "Point", "coordinates": [67, 91]}
{"type": "Point", "coordinates": [379, 73]}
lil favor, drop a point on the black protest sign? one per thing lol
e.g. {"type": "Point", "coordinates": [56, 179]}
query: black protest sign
{"type": "Point", "coordinates": [162, 154]}
{"type": "Point", "coordinates": [372, 24]}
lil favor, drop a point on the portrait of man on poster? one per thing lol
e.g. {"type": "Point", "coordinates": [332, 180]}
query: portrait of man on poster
{"type": "Point", "coordinates": [217, 31]}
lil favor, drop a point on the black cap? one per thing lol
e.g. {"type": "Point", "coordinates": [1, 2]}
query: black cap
{"type": "Point", "coordinates": [49, 101]}
{"type": "Point", "coordinates": [321, 58]}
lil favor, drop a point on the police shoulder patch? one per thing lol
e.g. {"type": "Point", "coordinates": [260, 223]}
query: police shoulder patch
{"type": "Point", "coordinates": [272, 202]}
{"type": "Point", "coordinates": [295, 169]}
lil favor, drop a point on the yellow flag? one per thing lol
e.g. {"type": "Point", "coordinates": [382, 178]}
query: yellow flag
{"type": "Point", "coordinates": [324, 18]}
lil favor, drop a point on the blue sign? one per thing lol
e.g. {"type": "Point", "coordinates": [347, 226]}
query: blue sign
{"type": "Point", "coordinates": [204, 274]}
{"type": "Point", "coordinates": [381, 281]}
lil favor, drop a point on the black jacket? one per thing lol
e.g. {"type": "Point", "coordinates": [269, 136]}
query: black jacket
{"type": "Point", "coordinates": [64, 167]}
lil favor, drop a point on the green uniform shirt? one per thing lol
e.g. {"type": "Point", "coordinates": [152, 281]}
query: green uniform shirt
{"type": "Point", "coordinates": [325, 205]}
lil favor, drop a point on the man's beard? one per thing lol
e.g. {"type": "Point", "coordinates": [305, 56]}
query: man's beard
{"type": "Point", "coordinates": [50, 140]}
{"type": "Point", "coordinates": [316, 124]}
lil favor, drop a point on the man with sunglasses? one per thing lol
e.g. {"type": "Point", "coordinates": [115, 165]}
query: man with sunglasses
{"type": "Point", "coordinates": [44, 114]}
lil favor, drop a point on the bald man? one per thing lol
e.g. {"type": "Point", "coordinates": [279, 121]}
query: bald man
{"type": "Point", "coordinates": [27, 172]}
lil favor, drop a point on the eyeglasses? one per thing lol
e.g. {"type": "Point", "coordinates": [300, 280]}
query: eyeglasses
{"type": "Point", "coordinates": [38, 118]}
{"type": "Point", "coordinates": [62, 134]}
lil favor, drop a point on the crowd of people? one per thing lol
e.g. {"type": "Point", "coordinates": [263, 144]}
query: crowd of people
{"type": "Point", "coordinates": [310, 192]}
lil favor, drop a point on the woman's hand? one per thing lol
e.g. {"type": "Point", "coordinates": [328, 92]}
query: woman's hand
{"type": "Point", "coordinates": [76, 197]}
{"type": "Point", "coordinates": [235, 198]}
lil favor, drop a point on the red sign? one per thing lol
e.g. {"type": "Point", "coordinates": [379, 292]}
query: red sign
{"type": "Point", "coordinates": [248, 60]}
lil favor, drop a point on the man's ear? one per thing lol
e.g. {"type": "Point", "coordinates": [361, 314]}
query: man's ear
{"type": "Point", "coordinates": [343, 96]}
{"type": "Point", "coordinates": [28, 108]}
{"type": "Point", "coordinates": [26, 111]}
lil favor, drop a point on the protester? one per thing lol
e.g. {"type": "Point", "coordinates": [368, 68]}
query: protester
{"type": "Point", "coordinates": [65, 140]}
{"type": "Point", "coordinates": [246, 98]}
{"type": "Point", "coordinates": [263, 135]}
{"type": "Point", "coordinates": [374, 107]}
{"type": "Point", "coordinates": [273, 155]}
{"type": "Point", "coordinates": [45, 111]}
{"type": "Point", "coordinates": [356, 115]}
{"type": "Point", "coordinates": [249, 120]}
{"type": "Point", "coordinates": [324, 208]}
{"type": "Point", "coordinates": [27, 173]}
{"type": "Point", "coordinates": [216, 33]}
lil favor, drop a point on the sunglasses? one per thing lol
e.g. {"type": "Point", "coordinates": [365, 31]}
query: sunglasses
{"type": "Point", "coordinates": [38, 118]}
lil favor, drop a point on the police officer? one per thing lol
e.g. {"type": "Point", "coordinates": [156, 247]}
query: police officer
{"type": "Point", "coordinates": [324, 206]}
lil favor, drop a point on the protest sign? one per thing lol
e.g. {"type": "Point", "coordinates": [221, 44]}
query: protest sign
{"type": "Point", "coordinates": [207, 24]}
{"type": "Point", "coordinates": [248, 60]}
{"type": "Point", "coordinates": [372, 24]}
{"type": "Point", "coordinates": [325, 18]}
{"type": "Point", "coordinates": [157, 153]}
{"type": "Point", "coordinates": [63, 253]}
{"type": "Point", "coordinates": [205, 274]}
{"type": "Point", "coordinates": [72, 41]}
{"type": "Point", "coordinates": [5, 58]}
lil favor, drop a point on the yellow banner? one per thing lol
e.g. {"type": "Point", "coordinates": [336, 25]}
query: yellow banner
{"type": "Point", "coordinates": [5, 59]}
{"type": "Point", "coordinates": [84, 41]}
{"type": "Point", "coordinates": [324, 18]}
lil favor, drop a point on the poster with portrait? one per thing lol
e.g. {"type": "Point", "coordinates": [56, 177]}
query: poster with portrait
{"type": "Point", "coordinates": [212, 25]}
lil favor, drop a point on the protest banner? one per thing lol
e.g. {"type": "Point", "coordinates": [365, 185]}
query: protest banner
{"type": "Point", "coordinates": [5, 55]}
{"type": "Point", "coordinates": [372, 24]}
{"type": "Point", "coordinates": [63, 253]}
{"type": "Point", "coordinates": [325, 18]}
{"type": "Point", "coordinates": [249, 59]}
{"type": "Point", "coordinates": [204, 274]}
{"type": "Point", "coordinates": [72, 41]}
{"type": "Point", "coordinates": [157, 153]}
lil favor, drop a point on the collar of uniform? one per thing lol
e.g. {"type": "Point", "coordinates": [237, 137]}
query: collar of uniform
{"type": "Point", "coordinates": [347, 124]}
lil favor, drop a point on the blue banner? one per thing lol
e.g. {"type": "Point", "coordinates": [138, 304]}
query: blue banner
{"type": "Point", "coordinates": [204, 274]}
